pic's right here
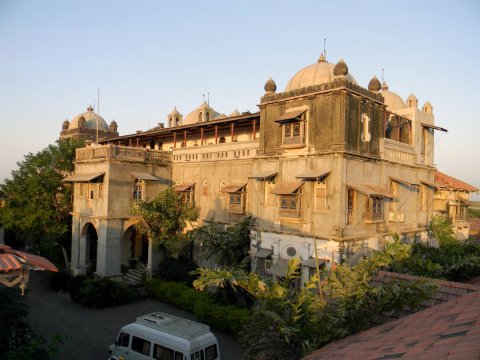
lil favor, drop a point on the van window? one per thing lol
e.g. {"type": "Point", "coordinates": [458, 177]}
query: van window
{"type": "Point", "coordinates": [163, 353]}
{"type": "Point", "coordinates": [123, 339]}
{"type": "Point", "coordinates": [141, 346]}
{"type": "Point", "coordinates": [211, 352]}
{"type": "Point", "coordinates": [198, 355]}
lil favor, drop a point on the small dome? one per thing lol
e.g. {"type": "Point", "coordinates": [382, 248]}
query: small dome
{"type": "Point", "coordinates": [174, 112]}
{"type": "Point", "coordinates": [319, 73]}
{"type": "Point", "coordinates": [412, 101]}
{"type": "Point", "coordinates": [340, 69]}
{"type": "Point", "coordinates": [270, 86]}
{"type": "Point", "coordinates": [391, 99]}
{"type": "Point", "coordinates": [203, 113]}
{"type": "Point", "coordinates": [113, 126]}
{"type": "Point", "coordinates": [65, 124]}
{"type": "Point", "coordinates": [427, 108]}
{"type": "Point", "coordinates": [235, 113]}
{"type": "Point", "coordinates": [88, 120]}
{"type": "Point", "coordinates": [374, 84]}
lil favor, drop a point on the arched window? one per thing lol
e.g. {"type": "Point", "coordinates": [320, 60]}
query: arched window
{"type": "Point", "coordinates": [222, 185]}
{"type": "Point", "coordinates": [405, 133]}
{"type": "Point", "coordinates": [222, 140]}
{"type": "Point", "coordinates": [204, 188]}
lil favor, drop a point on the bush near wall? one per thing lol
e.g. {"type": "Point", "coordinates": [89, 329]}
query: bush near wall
{"type": "Point", "coordinates": [226, 318]}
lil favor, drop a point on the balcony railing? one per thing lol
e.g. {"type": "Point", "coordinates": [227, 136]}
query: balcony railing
{"type": "Point", "coordinates": [126, 153]}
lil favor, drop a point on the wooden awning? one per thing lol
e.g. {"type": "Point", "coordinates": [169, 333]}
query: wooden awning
{"type": "Point", "coordinates": [434, 127]}
{"type": "Point", "coordinates": [314, 175]}
{"type": "Point", "coordinates": [408, 183]}
{"type": "Point", "coordinates": [287, 188]}
{"type": "Point", "coordinates": [12, 260]}
{"type": "Point", "coordinates": [85, 177]}
{"type": "Point", "coordinates": [263, 175]}
{"type": "Point", "coordinates": [144, 176]}
{"type": "Point", "coordinates": [431, 184]}
{"type": "Point", "coordinates": [372, 190]}
{"type": "Point", "coordinates": [290, 116]}
{"type": "Point", "coordinates": [184, 187]}
{"type": "Point", "coordinates": [233, 188]}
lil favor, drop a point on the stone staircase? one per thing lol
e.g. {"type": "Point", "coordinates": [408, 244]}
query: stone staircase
{"type": "Point", "coordinates": [135, 276]}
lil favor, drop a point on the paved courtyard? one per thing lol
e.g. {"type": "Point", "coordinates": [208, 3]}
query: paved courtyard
{"type": "Point", "coordinates": [90, 332]}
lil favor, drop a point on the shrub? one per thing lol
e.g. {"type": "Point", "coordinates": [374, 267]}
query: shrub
{"type": "Point", "coordinates": [74, 285]}
{"type": "Point", "coordinates": [58, 280]}
{"type": "Point", "coordinates": [101, 293]}
{"type": "Point", "coordinates": [227, 318]}
{"type": "Point", "coordinates": [177, 269]}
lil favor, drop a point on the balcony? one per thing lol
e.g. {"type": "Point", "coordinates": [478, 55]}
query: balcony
{"type": "Point", "coordinates": [122, 153]}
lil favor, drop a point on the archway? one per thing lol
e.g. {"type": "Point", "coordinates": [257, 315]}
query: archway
{"type": "Point", "coordinates": [134, 247]}
{"type": "Point", "coordinates": [90, 238]}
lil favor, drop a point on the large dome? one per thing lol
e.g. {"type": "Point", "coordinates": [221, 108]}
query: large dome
{"type": "Point", "coordinates": [315, 74]}
{"type": "Point", "coordinates": [391, 99]}
{"type": "Point", "coordinates": [90, 118]}
{"type": "Point", "coordinates": [201, 114]}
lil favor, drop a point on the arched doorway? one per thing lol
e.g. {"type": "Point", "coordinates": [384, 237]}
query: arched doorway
{"type": "Point", "coordinates": [90, 238]}
{"type": "Point", "coordinates": [134, 247]}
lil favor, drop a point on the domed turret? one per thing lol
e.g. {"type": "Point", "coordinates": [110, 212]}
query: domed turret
{"type": "Point", "coordinates": [319, 73]}
{"type": "Point", "coordinates": [201, 114]}
{"type": "Point", "coordinates": [412, 101]}
{"type": "Point", "coordinates": [427, 108]}
{"type": "Point", "coordinates": [65, 125]}
{"type": "Point", "coordinates": [270, 86]}
{"type": "Point", "coordinates": [234, 113]}
{"type": "Point", "coordinates": [174, 118]}
{"type": "Point", "coordinates": [374, 84]}
{"type": "Point", "coordinates": [391, 99]}
{"type": "Point", "coordinates": [340, 69]}
{"type": "Point", "coordinates": [113, 126]}
{"type": "Point", "coordinates": [88, 120]}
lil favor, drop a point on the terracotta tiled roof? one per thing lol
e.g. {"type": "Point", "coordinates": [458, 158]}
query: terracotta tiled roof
{"type": "Point", "coordinates": [447, 331]}
{"type": "Point", "coordinates": [451, 183]}
{"type": "Point", "coordinates": [11, 260]}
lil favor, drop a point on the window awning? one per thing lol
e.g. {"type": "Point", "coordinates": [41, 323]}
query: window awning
{"type": "Point", "coordinates": [431, 184]}
{"type": "Point", "coordinates": [144, 176]}
{"type": "Point", "coordinates": [280, 268]}
{"type": "Point", "coordinates": [434, 127]}
{"type": "Point", "coordinates": [263, 253]}
{"type": "Point", "coordinates": [408, 183]}
{"type": "Point", "coordinates": [462, 200]}
{"type": "Point", "coordinates": [287, 188]}
{"type": "Point", "coordinates": [312, 263]}
{"type": "Point", "coordinates": [233, 188]}
{"type": "Point", "coordinates": [87, 177]}
{"type": "Point", "coordinates": [263, 175]}
{"type": "Point", "coordinates": [183, 187]}
{"type": "Point", "coordinates": [290, 116]}
{"type": "Point", "coordinates": [372, 190]}
{"type": "Point", "coordinates": [313, 175]}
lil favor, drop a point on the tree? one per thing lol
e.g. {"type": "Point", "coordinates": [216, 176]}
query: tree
{"type": "Point", "coordinates": [229, 247]}
{"type": "Point", "coordinates": [37, 203]}
{"type": "Point", "coordinates": [288, 323]}
{"type": "Point", "coordinates": [165, 219]}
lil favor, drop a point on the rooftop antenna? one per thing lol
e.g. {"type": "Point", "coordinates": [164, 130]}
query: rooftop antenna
{"type": "Point", "coordinates": [382, 76]}
{"type": "Point", "coordinates": [208, 98]}
{"type": "Point", "coordinates": [203, 98]}
{"type": "Point", "coordinates": [98, 109]}
{"type": "Point", "coordinates": [325, 47]}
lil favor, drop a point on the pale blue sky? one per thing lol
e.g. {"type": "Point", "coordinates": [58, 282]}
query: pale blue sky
{"type": "Point", "coordinates": [149, 56]}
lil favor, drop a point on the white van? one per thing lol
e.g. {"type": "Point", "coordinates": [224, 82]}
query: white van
{"type": "Point", "coordinates": [162, 336]}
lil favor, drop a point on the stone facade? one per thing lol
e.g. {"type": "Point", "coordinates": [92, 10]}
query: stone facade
{"type": "Point", "coordinates": [327, 170]}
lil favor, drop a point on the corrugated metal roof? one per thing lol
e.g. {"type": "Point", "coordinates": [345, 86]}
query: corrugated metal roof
{"type": "Point", "coordinates": [434, 127]}
{"type": "Point", "coordinates": [452, 183]}
{"type": "Point", "coordinates": [403, 181]}
{"type": "Point", "coordinates": [280, 268]}
{"type": "Point", "coordinates": [11, 260]}
{"type": "Point", "coordinates": [184, 187]}
{"type": "Point", "coordinates": [233, 188]}
{"type": "Point", "coordinates": [83, 177]}
{"type": "Point", "coordinates": [263, 253]}
{"type": "Point", "coordinates": [287, 188]}
{"type": "Point", "coordinates": [429, 183]}
{"type": "Point", "coordinates": [372, 190]}
{"type": "Point", "coordinates": [263, 175]}
{"type": "Point", "coordinates": [313, 263]}
{"type": "Point", "coordinates": [144, 176]}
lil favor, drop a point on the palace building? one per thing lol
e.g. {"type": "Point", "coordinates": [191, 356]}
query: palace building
{"type": "Point", "coordinates": [327, 169]}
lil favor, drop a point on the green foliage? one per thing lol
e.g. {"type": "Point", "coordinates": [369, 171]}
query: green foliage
{"type": "Point", "coordinates": [228, 247]}
{"type": "Point", "coordinates": [74, 285]}
{"type": "Point", "coordinates": [16, 338]}
{"type": "Point", "coordinates": [58, 280]}
{"type": "Point", "coordinates": [288, 323]}
{"type": "Point", "coordinates": [452, 260]}
{"type": "Point", "coordinates": [165, 220]}
{"type": "Point", "coordinates": [177, 269]}
{"type": "Point", "coordinates": [101, 293]}
{"type": "Point", "coordinates": [37, 202]}
{"type": "Point", "coordinates": [227, 318]}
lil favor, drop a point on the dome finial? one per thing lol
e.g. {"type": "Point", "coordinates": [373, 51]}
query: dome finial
{"type": "Point", "coordinates": [340, 69]}
{"type": "Point", "coordinates": [270, 86]}
{"type": "Point", "coordinates": [374, 84]}
{"type": "Point", "coordinates": [322, 58]}
{"type": "Point", "coordinates": [384, 86]}
{"type": "Point", "coordinates": [90, 108]}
